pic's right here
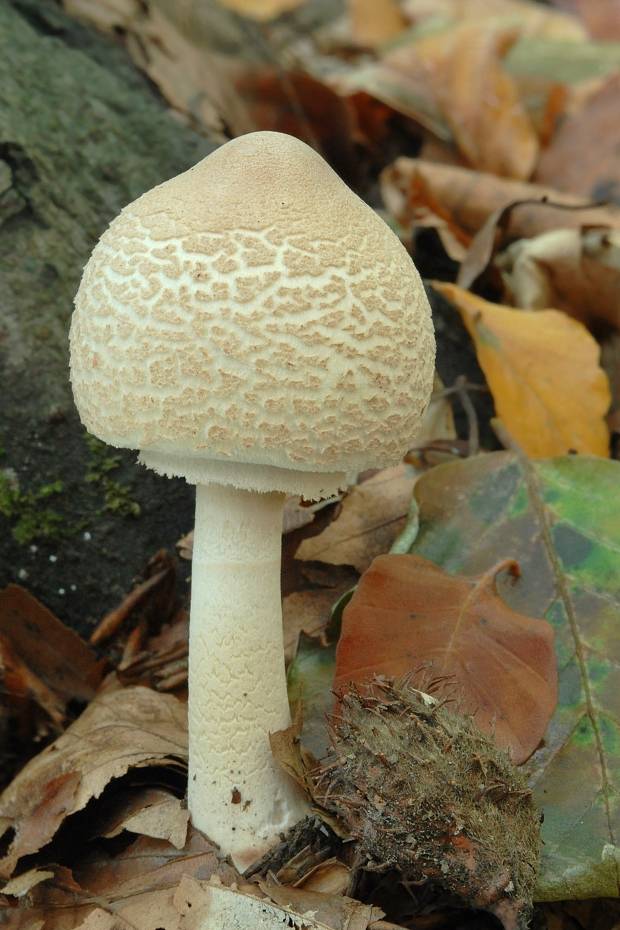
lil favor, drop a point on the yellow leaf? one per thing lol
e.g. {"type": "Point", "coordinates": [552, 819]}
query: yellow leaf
{"type": "Point", "coordinates": [261, 10]}
{"type": "Point", "coordinates": [374, 22]}
{"type": "Point", "coordinates": [543, 370]}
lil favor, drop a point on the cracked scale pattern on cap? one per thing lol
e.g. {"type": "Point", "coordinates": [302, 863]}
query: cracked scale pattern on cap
{"type": "Point", "coordinates": [253, 310]}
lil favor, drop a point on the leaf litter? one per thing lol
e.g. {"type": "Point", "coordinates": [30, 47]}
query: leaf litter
{"type": "Point", "coordinates": [518, 216]}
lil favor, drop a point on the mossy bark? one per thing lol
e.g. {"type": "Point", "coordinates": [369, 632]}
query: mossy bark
{"type": "Point", "coordinates": [82, 133]}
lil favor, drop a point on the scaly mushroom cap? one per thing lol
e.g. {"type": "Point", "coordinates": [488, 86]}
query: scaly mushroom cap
{"type": "Point", "coordinates": [253, 311]}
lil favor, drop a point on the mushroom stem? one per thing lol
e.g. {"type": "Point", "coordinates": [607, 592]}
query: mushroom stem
{"type": "Point", "coordinates": [238, 794]}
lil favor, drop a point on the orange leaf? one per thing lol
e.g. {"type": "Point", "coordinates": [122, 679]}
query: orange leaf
{"type": "Point", "coordinates": [374, 22]}
{"type": "Point", "coordinates": [543, 371]}
{"type": "Point", "coordinates": [407, 614]}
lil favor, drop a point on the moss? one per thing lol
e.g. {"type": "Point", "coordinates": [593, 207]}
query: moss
{"type": "Point", "coordinates": [116, 494]}
{"type": "Point", "coordinates": [23, 509]}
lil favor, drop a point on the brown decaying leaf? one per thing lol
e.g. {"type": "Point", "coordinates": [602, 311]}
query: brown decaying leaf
{"type": "Point", "coordinates": [374, 22]}
{"type": "Point", "coordinates": [373, 514]}
{"type": "Point", "coordinates": [131, 728]}
{"type": "Point", "coordinates": [149, 812]}
{"type": "Point", "coordinates": [132, 889]}
{"type": "Point", "coordinates": [543, 369]}
{"type": "Point", "coordinates": [309, 612]}
{"type": "Point", "coordinates": [171, 43]}
{"type": "Point", "coordinates": [54, 664]}
{"type": "Point", "coordinates": [591, 169]}
{"type": "Point", "coordinates": [155, 593]}
{"type": "Point", "coordinates": [469, 198]}
{"type": "Point", "coordinates": [577, 271]}
{"type": "Point", "coordinates": [211, 903]}
{"type": "Point", "coordinates": [480, 101]}
{"type": "Point", "coordinates": [533, 18]}
{"type": "Point", "coordinates": [409, 617]}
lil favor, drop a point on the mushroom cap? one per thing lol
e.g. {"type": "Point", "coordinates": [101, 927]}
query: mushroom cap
{"type": "Point", "coordinates": [252, 321]}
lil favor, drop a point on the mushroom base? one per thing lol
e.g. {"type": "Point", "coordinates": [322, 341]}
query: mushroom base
{"type": "Point", "coordinates": [238, 794]}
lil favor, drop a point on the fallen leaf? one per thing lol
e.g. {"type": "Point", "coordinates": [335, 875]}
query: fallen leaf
{"type": "Point", "coordinates": [601, 19]}
{"type": "Point", "coordinates": [172, 43]}
{"type": "Point", "coordinates": [561, 519]}
{"type": "Point", "coordinates": [468, 198]}
{"type": "Point", "coordinates": [543, 371]}
{"type": "Point", "coordinates": [329, 877]}
{"type": "Point", "coordinates": [309, 612]}
{"type": "Point", "coordinates": [533, 18]}
{"type": "Point", "coordinates": [155, 595]}
{"type": "Point", "coordinates": [20, 886]}
{"type": "Point", "coordinates": [150, 865]}
{"type": "Point", "coordinates": [481, 104]}
{"type": "Point", "coordinates": [310, 680]}
{"type": "Point", "coordinates": [495, 229]}
{"type": "Point", "coordinates": [47, 806]}
{"type": "Point", "coordinates": [58, 657]}
{"type": "Point", "coordinates": [134, 887]}
{"type": "Point", "coordinates": [452, 82]}
{"type": "Point", "coordinates": [374, 22]}
{"type": "Point", "coordinates": [149, 812]}
{"type": "Point", "coordinates": [213, 903]}
{"type": "Point", "coordinates": [407, 616]}
{"type": "Point", "coordinates": [130, 728]}
{"type": "Point", "coordinates": [372, 515]}
{"type": "Point", "coordinates": [574, 271]}
{"type": "Point", "coordinates": [591, 170]}
{"type": "Point", "coordinates": [262, 10]}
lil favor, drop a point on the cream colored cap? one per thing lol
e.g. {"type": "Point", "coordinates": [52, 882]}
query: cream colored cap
{"type": "Point", "coordinates": [253, 311]}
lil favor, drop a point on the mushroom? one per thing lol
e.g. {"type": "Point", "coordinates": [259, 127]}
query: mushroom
{"type": "Point", "coordinates": [252, 326]}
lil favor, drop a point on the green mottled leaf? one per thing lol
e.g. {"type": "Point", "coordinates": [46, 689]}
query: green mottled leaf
{"type": "Point", "coordinates": [560, 518]}
{"type": "Point", "coordinates": [310, 678]}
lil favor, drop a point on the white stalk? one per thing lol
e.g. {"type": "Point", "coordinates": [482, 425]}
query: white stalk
{"type": "Point", "coordinates": [238, 795]}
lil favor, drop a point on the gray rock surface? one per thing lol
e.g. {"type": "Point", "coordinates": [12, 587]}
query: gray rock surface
{"type": "Point", "coordinates": [82, 133]}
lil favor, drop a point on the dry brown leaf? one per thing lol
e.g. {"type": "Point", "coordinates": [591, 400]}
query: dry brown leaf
{"type": "Point", "coordinates": [544, 373]}
{"type": "Point", "coordinates": [54, 663]}
{"type": "Point", "coordinates": [329, 877]}
{"type": "Point", "coordinates": [149, 812]}
{"type": "Point", "coordinates": [149, 865]}
{"type": "Point", "coordinates": [154, 596]}
{"type": "Point", "coordinates": [409, 616]}
{"type": "Point", "coordinates": [374, 22]}
{"type": "Point", "coordinates": [470, 198]}
{"type": "Point", "coordinates": [309, 612]}
{"type": "Point", "coordinates": [571, 270]}
{"type": "Point", "coordinates": [373, 514]}
{"type": "Point", "coordinates": [262, 10]}
{"type": "Point", "coordinates": [478, 99]}
{"type": "Point", "coordinates": [135, 887]}
{"type": "Point", "coordinates": [601, 18]}
{"type": "Point", "coordinates": [172, 43]}
{"type": "Point", "coordinates": [131, 728]}
{"type": "Point", "coordinates": [202, 904]}
{"type": "Point", "coordinates": [20, 886]}
{"type": "Point", "coordinates": [583, 155]}
{"type": "Point", "coordinates": [533, 19]}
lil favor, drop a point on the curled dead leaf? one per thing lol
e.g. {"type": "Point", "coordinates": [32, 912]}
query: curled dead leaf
{"type": "Point", "coordinates": [409, 616]}
{"type": "Point", "coordinates": [131, 728]}
{"type": "Point", "coordinates": [577, 271]}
